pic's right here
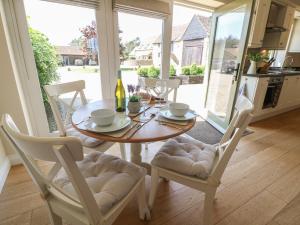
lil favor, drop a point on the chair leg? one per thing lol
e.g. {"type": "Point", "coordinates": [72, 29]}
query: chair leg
{"type": "Point", "coordinates": [154, 186]}
{"type": "Point", "coordinates": [123, 151]}
{"type": "Point", "coordinates": [55, 219]}
{"type": "Point", "coordinates": [144, 211]}
{"type": "Point", "coordinates": [208, 207]}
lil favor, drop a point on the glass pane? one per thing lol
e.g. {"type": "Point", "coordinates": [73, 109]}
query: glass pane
{"type": "Point", "coordinates": [224, 60]}
{"type": "Point", "coordinates": [189, 53]}
{"type": "Point", "coordinates": [65, 48]}
{"type": "Point", "coordinates": [140, 47]}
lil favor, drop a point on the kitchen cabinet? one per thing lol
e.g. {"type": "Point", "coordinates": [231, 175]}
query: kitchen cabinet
{"type": "Point", "coordinates": [295, 37]}
{"type": "Point", "coordinates": [287, 24]}
{"type": "Point", "coordinates": [290, 94]}
{"type": "Point", "coordinates": [256, 89]}
{"type": "Point", "coordinates": [276, 39]}
{"type": "Point", "coordinates": [261, 90]}
{"type": "Point", "coordinates": [259, 22]}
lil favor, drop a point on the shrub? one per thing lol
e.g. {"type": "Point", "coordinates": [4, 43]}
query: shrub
{"type": "Point", "coordinates": [185, 70]}
{"type": "Point", "coordinates": [45, 59]}
{"type": "Point", "coordinates": [172, 71]}
{"type": "Point", "coordinates": [142, 71]}
{"type": "Point", "coordinates": [153, 72]}
{"type": "Point", "coordinates": [193, 69]}
{"type": "Point", "coordinates": [200, 70]}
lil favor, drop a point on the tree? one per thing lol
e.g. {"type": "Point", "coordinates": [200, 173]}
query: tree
{"type": "Point", "coordinates": [45, 59]}
{"type": "Point", "coordinates": [122, 48]}
{"type": "Point", "coordinates": [89, 40]}
{"type": "Point", "coordinates": [76, 42]}
{"type": "Point", "coordinates": [129, 46]}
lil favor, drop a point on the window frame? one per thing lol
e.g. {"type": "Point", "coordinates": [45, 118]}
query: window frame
{"type": "Point", "coordinates": [108, 41]}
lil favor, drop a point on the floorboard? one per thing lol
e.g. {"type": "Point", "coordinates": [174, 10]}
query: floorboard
{"type": "Point", "coordinates": [261, 185]}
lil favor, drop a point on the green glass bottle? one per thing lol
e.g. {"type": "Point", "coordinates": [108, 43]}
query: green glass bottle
{"type": "Point", "coordinates": [120, 95]}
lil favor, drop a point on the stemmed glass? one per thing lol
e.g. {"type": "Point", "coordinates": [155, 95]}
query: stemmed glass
{"type": "Point", "coordinates": [160, 90]}
{"type": "Point", "coordinates": [145, 99]}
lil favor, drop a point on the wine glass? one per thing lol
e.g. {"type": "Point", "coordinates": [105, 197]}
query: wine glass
{"type": "Point", "coordinates": [145, 99]}
{"type": "Point", "coordinates": [160, 90]}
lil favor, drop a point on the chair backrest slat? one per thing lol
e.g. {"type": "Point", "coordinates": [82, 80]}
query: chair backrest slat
{"type": "Point", "coordinates": [54, 91]}
{"type": "Point", "coordinates": [168, 85]}
{"type": "Point", "coordinates": [232, 136]}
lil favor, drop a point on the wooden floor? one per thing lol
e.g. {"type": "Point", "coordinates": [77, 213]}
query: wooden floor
{"type": "Point", "coordinates": [260, 186]}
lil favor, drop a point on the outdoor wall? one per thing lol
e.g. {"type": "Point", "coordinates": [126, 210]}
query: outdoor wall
{"type": "Point", "coordinates": [9, 96]}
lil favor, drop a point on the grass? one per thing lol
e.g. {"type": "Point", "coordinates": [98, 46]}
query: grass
{"type": "Point", "coordinates": [83, 69]}
{"type": "Point", "coordinates": [88, 69]}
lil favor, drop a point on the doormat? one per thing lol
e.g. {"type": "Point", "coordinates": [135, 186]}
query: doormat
{"type": "Point", "coordinates": [205, 132]}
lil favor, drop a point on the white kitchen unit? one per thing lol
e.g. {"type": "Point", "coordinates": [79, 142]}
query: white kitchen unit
{"type": "Point", "coordinates": [290, 94]}
{"type": "Point", "coordinates": [280, 17]}
{"type": "Point", "coordinates": [295, 37]}
{"type": "Point", "coordinates": [259, 22]}
{"type": "Point", "coordinates": [258, 87]}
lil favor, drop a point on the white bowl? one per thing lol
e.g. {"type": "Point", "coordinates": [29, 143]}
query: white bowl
{"type": "Point", "coordinates": [178, 109]}
{"type": "Point", "coordinates": [103, 117]}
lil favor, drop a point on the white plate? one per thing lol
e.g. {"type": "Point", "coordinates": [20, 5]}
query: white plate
{"type": "Point", "coordinates": [118, 124]}
{"type": "Point", "coordinates": [167, 114]}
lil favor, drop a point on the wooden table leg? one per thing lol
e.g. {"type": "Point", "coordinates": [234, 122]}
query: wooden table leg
{"type": "Point", "coordinates": [136, 156]}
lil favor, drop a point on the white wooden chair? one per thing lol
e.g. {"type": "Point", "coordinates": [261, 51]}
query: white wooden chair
{"type": "Point", "coordinates": [198, 165]}
{"type": "Point", "coordinates": [154, 86]}
{"type": "Point", "coordinates": [88, 190]}
{"type": "Point", "coordinates": [161, 88]}
{"type": "Point", "coordinates": [63, 124]}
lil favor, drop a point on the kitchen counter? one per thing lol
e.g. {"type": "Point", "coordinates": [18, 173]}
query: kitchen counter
{"type": "Point", "coordinates": [272, 96]}
{"type": "Point", "coordinates": [274, 74]}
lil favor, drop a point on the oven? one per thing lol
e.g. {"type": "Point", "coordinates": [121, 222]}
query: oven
{"type": "Point", "coordinates": [273, 92]}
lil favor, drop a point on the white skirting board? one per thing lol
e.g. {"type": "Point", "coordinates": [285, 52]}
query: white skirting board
{"type": "Point", "coordinates": [14, 159]}
{"type": "Point", "coordinates": [4, 170]}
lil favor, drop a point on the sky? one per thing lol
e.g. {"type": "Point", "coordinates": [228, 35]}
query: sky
{"type": "Point", "coordinates": [61, 23]}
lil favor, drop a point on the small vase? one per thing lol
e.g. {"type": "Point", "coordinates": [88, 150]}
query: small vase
{"type": "Point", "coordinates": [134, 107]}
{"type": "Point", "coordinates": [252, 69]}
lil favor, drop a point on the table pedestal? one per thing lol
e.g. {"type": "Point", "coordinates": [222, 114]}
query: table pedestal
{"type": "Point", "coordinates": [136, 156]}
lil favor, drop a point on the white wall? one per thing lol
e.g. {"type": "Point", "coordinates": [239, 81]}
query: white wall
{"type": "Point", "coordinates": [9, 96]}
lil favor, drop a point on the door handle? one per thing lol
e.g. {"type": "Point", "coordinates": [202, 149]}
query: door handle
{"type": "Point", "coordinates": [236, 70]}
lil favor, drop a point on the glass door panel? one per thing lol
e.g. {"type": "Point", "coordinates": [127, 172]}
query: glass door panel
{"type": "Point", "coordinates": [231, 28]}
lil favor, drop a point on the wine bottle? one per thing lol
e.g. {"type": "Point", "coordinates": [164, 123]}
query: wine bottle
{"type": "Point", "coordinates": [120, 95]}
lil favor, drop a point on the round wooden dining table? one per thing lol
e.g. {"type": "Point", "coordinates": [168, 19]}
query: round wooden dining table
{"type": "Point", "coordinates": [150, 131]}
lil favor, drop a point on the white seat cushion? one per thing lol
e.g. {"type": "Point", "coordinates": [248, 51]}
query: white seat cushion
{"type": "Point", "coordinates": [186, 156]}
{"type": "Point", "coordinates": [85, 140]}
{"type": "Point", "coordinates": [109, 178]}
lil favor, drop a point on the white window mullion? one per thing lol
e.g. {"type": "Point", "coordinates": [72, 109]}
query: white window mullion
{"type": "Point", "coordinates": [108, 57]}
{"type": "Point", "coordinates": [166, 44]}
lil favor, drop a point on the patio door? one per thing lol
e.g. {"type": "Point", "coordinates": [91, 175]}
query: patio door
{"type": "Point", "coordinates": [228, 45]}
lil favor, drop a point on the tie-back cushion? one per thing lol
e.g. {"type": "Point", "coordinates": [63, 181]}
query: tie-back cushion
{"type": "Point", "coordinates": [85, 140]}
{"type": "Point", "coordinates": [109, 178]}
{"type": "Point", "coordinates": [186, 156]}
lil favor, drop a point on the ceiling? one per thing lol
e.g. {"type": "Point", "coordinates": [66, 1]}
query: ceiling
{"type": "Point", "coordinates": [212, 4]}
